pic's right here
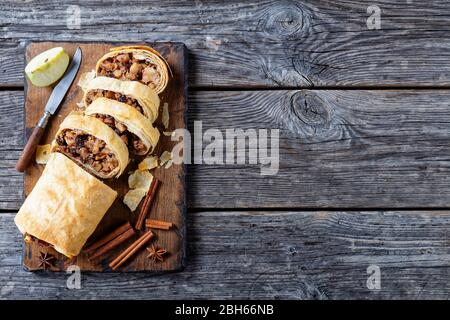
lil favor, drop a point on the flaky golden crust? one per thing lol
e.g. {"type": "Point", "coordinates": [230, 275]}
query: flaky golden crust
{"type": "Point", "coordinates": [150, 55]}
{"type": "Point", "coordinates": [65, 206]}
{"type": "Point", "coordinates": [146, 96]}
{"type": "Point", "coordinates": [133, 119]}
{"type": "Point", "coordinates": [100, 130]}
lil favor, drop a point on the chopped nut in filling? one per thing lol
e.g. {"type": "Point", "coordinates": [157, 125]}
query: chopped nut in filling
{"type": "Point", "coordinates": [88, 149]}
{"type": "Point", "coordinates": [98, 93]}
{"type": "Point", "coordinates": [127, 66]}
{"type": "Point", "coordinates": [135, 145]}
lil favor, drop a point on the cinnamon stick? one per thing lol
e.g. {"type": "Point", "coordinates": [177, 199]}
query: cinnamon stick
{"type": "Point", "coordinates": [158, 224]}
{"type": "Point", "coordinates": [131, 250]}
{"type": "Point", "coordinates": [110, 236]}
{"type": "Point", "coordinates": [113, 244]}
{"type": "Point", "coordinates": [147, 203]}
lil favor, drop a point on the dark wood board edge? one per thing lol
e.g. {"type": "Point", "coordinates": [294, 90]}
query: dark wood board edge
{"type": "Point", "coordinates": [180, 263]}
{"type": "Point", "coordinates": [183, 210]}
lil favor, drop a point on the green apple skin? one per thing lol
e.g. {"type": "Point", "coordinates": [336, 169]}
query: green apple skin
{"type": "Point", "coordinates": [47, 67]}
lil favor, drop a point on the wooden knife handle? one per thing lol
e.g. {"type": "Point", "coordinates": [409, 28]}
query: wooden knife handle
{"type": "Point", "coordinates": [30, 149]}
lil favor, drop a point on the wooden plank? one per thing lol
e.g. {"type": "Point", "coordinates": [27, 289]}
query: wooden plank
{"type": "Point", "coordinates": [370, 149]}
{"type": "Point", "coordinates": [11, 138]}
{"type": "Point", "coordinates": [257, 43]}
{"type": "Point", "coordinates": [169, 203]}
{"type": "Point", "coordinates": [338, 149]}
{"type": "Point", "coordinates": [11, 64]}
{"type": "Point", "coordinates": [269, 255]}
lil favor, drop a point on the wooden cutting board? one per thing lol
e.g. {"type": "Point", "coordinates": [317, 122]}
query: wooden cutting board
{"type": "Point", "coordinates": [170, 201]}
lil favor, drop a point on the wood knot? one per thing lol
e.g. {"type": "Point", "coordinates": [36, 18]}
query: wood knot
{"type": "Point", "coordinates": [310, 108]}
{"type": "Point", "coordinates": [285, 19]}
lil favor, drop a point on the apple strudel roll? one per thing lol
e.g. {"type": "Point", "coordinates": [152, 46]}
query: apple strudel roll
{"type": "Point", "coordinates": [135, 63]}
{"type": "Point", "coordinates": [92, 144]}
{"type": "Point", "coordinates": [135, 130]}
{"type": "Point", "coordinates": [133, 93]}
{"type": "Point", "coordinates": [65, 206]}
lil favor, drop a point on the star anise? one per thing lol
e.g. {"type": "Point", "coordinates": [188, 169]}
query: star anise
{"type": "Point", "coordinates": [45, 260]}
{"type": "Point", "coordinates": [156, 254]}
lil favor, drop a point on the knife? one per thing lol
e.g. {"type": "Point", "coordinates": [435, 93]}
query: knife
{"type": "Point", "coordinates": [52, 105]}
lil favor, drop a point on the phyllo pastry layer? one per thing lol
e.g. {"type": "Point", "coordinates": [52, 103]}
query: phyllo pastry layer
{"type": "Point", "coordinates": [65, 206]}
{"type": "Point", "coordinates": [133, 93]}
{"type": "Point", "coordinates": [135, 130]}
{"type": "Point", "coordinates": [92, 144]}
{"type": "Point", "coordinates": [135, 63]}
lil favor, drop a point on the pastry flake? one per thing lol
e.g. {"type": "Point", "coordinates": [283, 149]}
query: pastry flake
{"type": "Point", "coordinates": [140, 180]}
{"type": "Point", "coordinates": [148, 163]}
{"type": "Point", "coordinates": [139, 183]}
{"type": "Point", "coordinates": [166, 156]}
{"type": "Point", "coordinates": [133, 197]}
{"type": "Point", "coordinates": [42, 153]}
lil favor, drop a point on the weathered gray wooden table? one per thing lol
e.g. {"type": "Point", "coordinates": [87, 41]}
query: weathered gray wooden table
{"type": "Point", "coordinates": [364, 119]}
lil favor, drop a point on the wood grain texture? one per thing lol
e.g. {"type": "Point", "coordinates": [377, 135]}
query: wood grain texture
{"type": "Point", "coordinates": [338, 149]}
{"type": "Point", "coordinates": [255, 43]}
{"type": "Point", "coordinates": [11, 142]}
{"type": "Point", "coordinates": [352, 148]}
{"type": "Point", "coordinates": [270, 255]}
{"type": "Point", "coordinates": [169, 203]}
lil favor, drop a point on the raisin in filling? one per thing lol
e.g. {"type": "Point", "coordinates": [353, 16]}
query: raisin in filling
{"type": "Point", "coordinates": [98, 93]}
{"type": "Point", "coordinates": [134, 143]}
{"type": "Point", "coordinates": [126, 66]}
{"type": "Point", "coordinates": [87, 149]}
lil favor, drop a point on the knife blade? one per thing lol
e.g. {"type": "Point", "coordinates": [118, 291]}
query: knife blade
{"type": "Point", "coordinates": [52, 105]}
{"type": "Point", "coordinates": [63, 86]}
